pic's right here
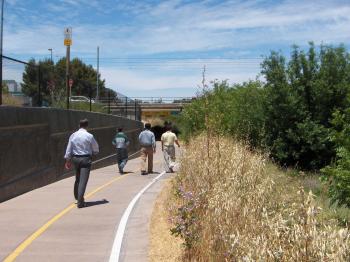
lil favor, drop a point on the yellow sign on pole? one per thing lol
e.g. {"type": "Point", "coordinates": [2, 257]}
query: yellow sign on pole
{"type": "Point", "coordinates": [68, 36]}
{"type": "Point", "coordinates": [67, 42]}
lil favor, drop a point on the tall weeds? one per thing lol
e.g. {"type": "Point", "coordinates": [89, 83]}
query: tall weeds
{"type": "Point", "coordinates": [229, 209]}
{"type": "Point", "coordinates": [11, 100]}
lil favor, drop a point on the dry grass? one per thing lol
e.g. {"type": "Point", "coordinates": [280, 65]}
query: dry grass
{"type": "Point", "coordinates": [11, 100]}
{"type": "Point", "coordinates": [311, 181]}
{"type": "Point", "coordinates": [232, 206]}
{"type": "Point", "coordinates": [163, 246]}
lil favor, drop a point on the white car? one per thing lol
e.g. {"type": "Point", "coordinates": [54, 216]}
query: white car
{"type": "Point", "coordinates": [81, 99]}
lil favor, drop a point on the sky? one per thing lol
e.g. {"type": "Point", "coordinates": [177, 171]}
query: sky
{"type": "Point", "coordinates": [159, 48]}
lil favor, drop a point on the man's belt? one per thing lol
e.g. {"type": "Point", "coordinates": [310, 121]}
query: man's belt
{"type": "Point", "coordinates": [146, 145]}
{"type": "Point", "coordinates": [81, 155]}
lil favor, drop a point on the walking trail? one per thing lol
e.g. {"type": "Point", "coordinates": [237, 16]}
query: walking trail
{"type": "Point", "coordinates": [45, 225]}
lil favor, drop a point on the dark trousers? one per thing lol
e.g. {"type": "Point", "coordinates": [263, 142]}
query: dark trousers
{"type": "Point", "coordinates": [122, 158]}
{"type": "Point", "coordinates": [82, 171]}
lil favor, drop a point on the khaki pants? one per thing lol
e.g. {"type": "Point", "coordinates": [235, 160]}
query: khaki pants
{"type": "Point", "coordinates": [169, 157]}
{"type": "Point", "coordinates": [147, 152]}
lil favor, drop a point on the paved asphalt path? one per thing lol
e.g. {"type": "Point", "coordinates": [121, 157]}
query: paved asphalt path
{"type": "Point", "coordinates": [67, 233]}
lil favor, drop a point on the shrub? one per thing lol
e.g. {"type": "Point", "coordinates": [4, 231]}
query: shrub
{"type": "Point", "coordinates": [337, 175]}
{"type": "Point", "coordinates": [235, 110]}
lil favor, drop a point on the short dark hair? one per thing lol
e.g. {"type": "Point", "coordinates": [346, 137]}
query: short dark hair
{"type": "Point", "coordinates": [120, 129]}
{"type": "Point", "coordinates": [84, 123]}
{"type": "Point", "coordinates": [148, 126]}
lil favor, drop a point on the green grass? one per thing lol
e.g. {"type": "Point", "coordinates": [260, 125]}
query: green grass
{"type": "Point", "coordinates": [311, 182]}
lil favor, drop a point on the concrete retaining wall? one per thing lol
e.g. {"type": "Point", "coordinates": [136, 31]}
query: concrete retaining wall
{"type": "Point", "coordinates": [33, 143]}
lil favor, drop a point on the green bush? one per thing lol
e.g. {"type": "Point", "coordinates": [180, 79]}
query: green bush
{"type": "Point", "coordinates": [301, 96]}
{"type": "Point", "coordinates": [289, 115]}
{"type": "Point", "coordinates": [337, 175]}
{"type": "Point", "coordinates": [235, 110]}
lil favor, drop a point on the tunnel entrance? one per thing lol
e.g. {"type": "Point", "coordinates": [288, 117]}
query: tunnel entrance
{"type": "Point", "coordinates": [158, 131]}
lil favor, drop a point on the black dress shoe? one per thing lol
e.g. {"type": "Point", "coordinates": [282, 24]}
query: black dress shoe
{"type": "Point", "coordinates": [143, 173]}
{"type": "Point", "coordinates": [81, 205]}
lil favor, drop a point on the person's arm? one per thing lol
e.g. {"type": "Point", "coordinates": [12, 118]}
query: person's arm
{"type": "Point", "coordinates": [94, 145]}
{"type": "Point", "coordinates": [153, 143]}
{"type": "Point", "coordinates": [68, 155]}
{"type": "Point", "coordinates": [162, 140]}
{"type": "Point", "coordinates": [127, 141]}
{"type": "Point", "coordinates": [177, 141]}
{"type": "Point", "coordinates": [140, 137]}
{"type": "Point", "coordinates": [113, 141]}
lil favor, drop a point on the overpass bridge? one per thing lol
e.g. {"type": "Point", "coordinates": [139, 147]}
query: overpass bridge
{"type": "Point", "coordinates": [143, 108]}
{"type": "Point", "coordinates": [161, 110]}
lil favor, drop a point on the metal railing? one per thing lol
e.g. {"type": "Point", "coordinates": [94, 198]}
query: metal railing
{"type": "Point", "coordinates": [121, 105]}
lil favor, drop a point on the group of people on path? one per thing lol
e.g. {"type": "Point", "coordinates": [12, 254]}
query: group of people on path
{"type": "Point", "coordinates": [82, 146]}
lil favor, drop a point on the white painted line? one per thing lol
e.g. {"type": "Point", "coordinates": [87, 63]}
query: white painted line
{"type": "Point", "coordinates": [117, 244]}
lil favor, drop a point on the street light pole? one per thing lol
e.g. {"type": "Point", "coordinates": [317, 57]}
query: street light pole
{"type": "Point", "coordinates": [1, 35]}
{"type": "Point", "coordinates": [67, 43]}
{"type": "Point", "coordinates": [67, 74]}
{"type": "Point", "coordinates": [50, 49]}
{"type": "Point", "coordinates": [98, 63]}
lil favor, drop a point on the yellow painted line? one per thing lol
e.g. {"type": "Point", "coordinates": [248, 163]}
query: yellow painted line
{"type": "Point", "coordinates": [41, 230]}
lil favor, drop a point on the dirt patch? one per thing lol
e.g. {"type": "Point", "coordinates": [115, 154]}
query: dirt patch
{"type": "Point", "coordinates": [163, 246]}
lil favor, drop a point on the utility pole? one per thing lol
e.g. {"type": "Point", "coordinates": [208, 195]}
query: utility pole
{"type": "Point", "coordinates": [98, 64]}
{"type": "Point", "coordinates": [67, 43]}
{"type": "Point", "coordinates": [1, 35]}
{"type": "Point", "coordinates": [39, 86]}
{"type": "Point", "coordinates": [109, 101]}
{"type": "Point", "coordinates": [50, 49]}
{"type": "Point", "coordinates": [67, 74]}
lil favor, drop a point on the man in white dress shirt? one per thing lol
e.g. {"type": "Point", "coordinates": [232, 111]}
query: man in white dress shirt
{"type": "Point", "coordinates": [81, 146]}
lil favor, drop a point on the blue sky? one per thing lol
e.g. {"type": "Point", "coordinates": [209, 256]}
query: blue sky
{"type": "Point", "coordinates": [159, 48]}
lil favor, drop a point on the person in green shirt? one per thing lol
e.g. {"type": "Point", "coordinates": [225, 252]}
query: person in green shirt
{"type": "Point", "coordinates": [121, 143]}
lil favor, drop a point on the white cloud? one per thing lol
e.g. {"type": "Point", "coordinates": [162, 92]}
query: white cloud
{"type": "Point", "coordinates": [138, 28]}
{"type": "Point", "coordinates": [186, 78]}
{"type": "Point", "coordinates": [174, 27]}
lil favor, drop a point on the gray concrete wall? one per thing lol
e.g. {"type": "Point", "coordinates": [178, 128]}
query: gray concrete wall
{"type": "Point", "coordinates": [33, 143]}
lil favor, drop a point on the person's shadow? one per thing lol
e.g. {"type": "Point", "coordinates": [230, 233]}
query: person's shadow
{"type": "Point", "coordinates": [95, 203]}
{"type": "Point", "coordinates": [127, 172]}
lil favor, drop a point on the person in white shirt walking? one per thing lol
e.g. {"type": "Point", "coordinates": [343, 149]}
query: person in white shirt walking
{"type": "Point", "coordinates": [148, 148]}
{"type": "Point", "coordinates": [168, 140]}
{"type": "Point", "coordinates": [81, 146]}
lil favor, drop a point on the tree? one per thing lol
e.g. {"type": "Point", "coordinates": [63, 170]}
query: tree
{"type": "Point", "coordinates": [30, 80]}
{"type": "Point", "coordinates": [301, 98]}
{"type": "Point", "coordinates": [53, 80]}
{"type": "Point", "coordinates": [337, 175]}
{"type": "Point", "coordinates": [232, 110]}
